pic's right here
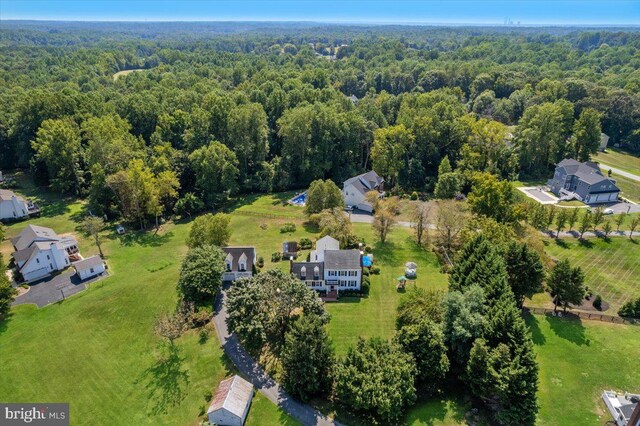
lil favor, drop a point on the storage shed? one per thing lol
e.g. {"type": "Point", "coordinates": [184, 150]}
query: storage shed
{"type": "Point", "coordinates": [89, 267]}
{"type": "Point", "coordinates": [231, 402]}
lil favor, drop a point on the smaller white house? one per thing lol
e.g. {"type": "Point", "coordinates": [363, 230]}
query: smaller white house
{"type": "Point", "coordinates": [354, 190]}
{"type": "Point", "coordinates": [238, 263]}
{"type": "Point", "coordinates": [231, 402]}
{"type": "Point", "coordinates": [323, 244]}
{"type": "Point", "coordinates": [89, 267]}
{"type": "Point", "coordinates": [12, 206]}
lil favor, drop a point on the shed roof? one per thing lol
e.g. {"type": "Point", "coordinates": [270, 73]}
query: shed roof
{"type": "Point", "coordinates": [88, 263]}
{"type": "Point", "coordinates": [233, 395]}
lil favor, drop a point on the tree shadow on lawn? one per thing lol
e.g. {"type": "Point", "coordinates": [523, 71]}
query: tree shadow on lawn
{"type": "Point", "coordinates": [561, 243]}
{"type": "Point", "coordinates": [569, 328]}
{"type": "Point", "coordinates": [386, 253]}
{"type": "Point", "coordinates": [142, 238]}
{"type": "Point", "coordinates": [166, 380]}
{"type": "Point", "coordinates": [536, 333]}
{"type": "Point", "coordinates": [585, 243]}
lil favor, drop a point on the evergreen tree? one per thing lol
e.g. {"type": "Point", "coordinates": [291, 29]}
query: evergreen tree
{"type": "Point", "coordinates": [525, 271]}
{"type": "Point", "coordinates": [566, 284]}
{"type": "Point", "coordinates": [307, 359]}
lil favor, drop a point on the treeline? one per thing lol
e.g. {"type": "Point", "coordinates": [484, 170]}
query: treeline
{"type": "Point", "coordinates": [262, 111]}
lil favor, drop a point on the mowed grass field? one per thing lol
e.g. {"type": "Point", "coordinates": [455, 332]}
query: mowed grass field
{"type": "Point", "coordinates": [620, 160]}
{"type": "Point", "coordinates": [611, 267]}
{"type": "Point", "coordinates": [578, 360]}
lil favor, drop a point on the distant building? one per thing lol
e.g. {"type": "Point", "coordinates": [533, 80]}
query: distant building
{"type": "Point", "coordinates": [583, 181]}
{"type": "Point", "coordinates": [12, 206]}
{"type": "Point", "coordinates": [354, 99]}
{"type": "Point", "coordinates": [625, 409]}
{"type": "Point", "coordinates": [15, 207]}
{"type": "Point", "coordinates": [604, 140]}
{"type": "Point", "coordinates": [330, 269]}
{"type": "Point", "coordinates": [40, 252]}
{"type": "Point", "coordinates": [89, 267]}
{"type": "Point", "coordinates": [354, 190]}
{"type": "Point", "coordinates": [231, 402]}
{"type": "Point", "coordinates": [238, 263]}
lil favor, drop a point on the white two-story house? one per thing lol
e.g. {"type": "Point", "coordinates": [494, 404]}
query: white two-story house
{"type": "Point", "coordinates": [330, 269]}
{"type": "Point", "coordinates": [354, 190]}
{"type": "Point", "coordinates": [238, 262]}
{"type": "Point", "coordinates": [40, 252]}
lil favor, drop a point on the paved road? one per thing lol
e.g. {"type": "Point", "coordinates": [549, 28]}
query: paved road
{"type": "Point", "coordinates": [362, 217]}
{"type": "Point", "coordinates": [54, 289]}
{"type": "Point", "coordinates": [605, 168]}
{"type": "Point", "coordinates": [589, 234]}
{"type": "Point", "coordinates": [305, 414]}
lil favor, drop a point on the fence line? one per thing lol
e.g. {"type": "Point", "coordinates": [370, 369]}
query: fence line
{"type": "Point", "coordinates": [582, 315]}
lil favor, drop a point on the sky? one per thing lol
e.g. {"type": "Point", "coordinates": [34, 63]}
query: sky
{"type": "Point", "coordinates": [349, 11]}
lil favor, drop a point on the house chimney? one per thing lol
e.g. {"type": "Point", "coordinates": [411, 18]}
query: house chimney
{"type": "Point", "coordinates": [291, 264]}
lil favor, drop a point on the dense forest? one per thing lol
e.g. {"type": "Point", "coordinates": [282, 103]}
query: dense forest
{"type": "Point", "coordinates": [231, 108]}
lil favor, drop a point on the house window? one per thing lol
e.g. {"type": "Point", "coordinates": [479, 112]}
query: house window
{"type": "Point", "coordinates": [50, 266]}
{"type": "Point", "coordinates": [332, 273]}
{"type": "Point", "coordinates": [243, 267]}
{"type": "Point", "coordinates": [37, 260]}
{"type": "Point", "coordinates": [91, 270]}
{"type": "Point", "coordinates": [353, 273]}
{"type": "Point", "coordinates": [303, 273]}
{"type": "Point", "coordinates": [342, 273]}
{"type": "Point", "coordinates": [228, 264]}
{"type": "Point", "coordinates": [66, 261]}
{"type": "Point", "coordinates": [316, 273]}
{"type": "Point", "coordinates": [342, 283]}
{"type": "Point", "coordinates": [48, 258]}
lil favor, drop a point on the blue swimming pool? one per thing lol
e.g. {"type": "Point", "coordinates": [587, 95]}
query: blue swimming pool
{"type": "Point", "coordinates": [299, 200]}
{"type": "Point", "coordinates": [367, 260]}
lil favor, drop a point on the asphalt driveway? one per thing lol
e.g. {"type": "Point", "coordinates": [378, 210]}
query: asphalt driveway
{"type": "Point", "coordinates": [53, 289]}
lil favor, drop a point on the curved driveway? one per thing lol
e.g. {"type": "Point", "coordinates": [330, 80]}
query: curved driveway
{"type": "Point", "coordinates": [304, 413]}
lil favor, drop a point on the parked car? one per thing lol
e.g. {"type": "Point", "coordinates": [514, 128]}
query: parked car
{"type": "Point", "coordinates": [608, 211]}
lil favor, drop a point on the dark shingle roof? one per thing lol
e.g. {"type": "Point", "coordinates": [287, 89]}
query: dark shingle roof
{"type": "Point", "coordinates": [587, 172]}
{"type": "Point", "coordinates": [365, 182]}
{"type": "Point", "coordinates": [236, 253]}
{"type": "Point", "coordinates": [342, 259]}
{"type": "Point", "coordinates": [296, 269]}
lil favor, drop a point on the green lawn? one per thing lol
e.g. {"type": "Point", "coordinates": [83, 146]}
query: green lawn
{"type": "Point", "coordinates": [98, 351]}
{"type": "Point", "coordinates": [578, 360]}
{"type": "Point", "coordinates": [612, 267]}
{"type": "Point", "coordinates": [620, 160]}
{"type": "Point", "coordinates": [375, 315]}
{"type": "Point", "coordinates": [629, 188]}
{"type": "Point", "coordinates": [264, 413]}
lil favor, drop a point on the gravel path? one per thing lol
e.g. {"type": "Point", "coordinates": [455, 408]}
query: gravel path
{"type": "Point", "coordinates": [304, 413]}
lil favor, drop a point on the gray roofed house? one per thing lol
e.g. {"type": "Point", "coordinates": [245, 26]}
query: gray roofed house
{"type": "Point", "coordinates": [624, 408]}
{"type": "Point", "coordinates": [355, 188]}
{"type": "Point", "coordinates": [584, 181]}
{"type": "Point", "coordinates": [239, 262]}
{"type": "Point", "coordinates": [306, 271]}
{"type": "Point", "coordinates": [331, 269]}
{"type": "Point", "coordinates": [231, 402]}
{"type": "Point", "coordinates": [33, 233]}
{"type": "Point", "coordinates": [342, 259]}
